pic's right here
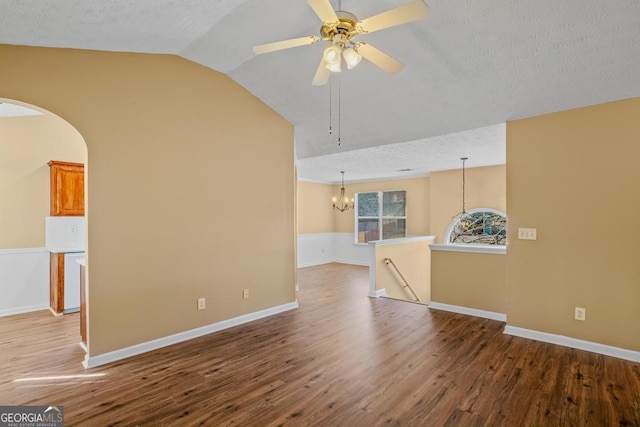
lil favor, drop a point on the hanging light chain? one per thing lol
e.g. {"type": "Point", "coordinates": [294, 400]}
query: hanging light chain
{"type": "Point", "coordinates": [330, 103]}
{"type": "Point", "coordinates": [464, 159]}
{"type": "Point", "coordinates": [339, 112]}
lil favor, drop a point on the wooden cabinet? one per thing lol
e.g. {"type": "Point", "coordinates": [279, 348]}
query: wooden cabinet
{"type": "Point", "coordinates": [67, 188]}
{"type": "Point", "coordinates": [56, 283]}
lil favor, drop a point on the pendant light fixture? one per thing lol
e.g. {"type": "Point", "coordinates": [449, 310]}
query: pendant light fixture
{"type": "Point", "coordinates": [464, 219]}
{"type": "Point", "coordinates": [343, 199]}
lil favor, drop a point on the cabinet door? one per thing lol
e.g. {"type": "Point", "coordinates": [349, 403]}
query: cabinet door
{"type": "Point", "coordinates": [67, 189]}
{"type": "Point", "coordinates": [56, 283]}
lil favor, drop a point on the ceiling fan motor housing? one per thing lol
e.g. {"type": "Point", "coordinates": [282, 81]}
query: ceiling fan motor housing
{"type": "Point", "coordinates": [346, 26]}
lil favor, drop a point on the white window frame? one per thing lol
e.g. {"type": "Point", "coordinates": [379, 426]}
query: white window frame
{"type": "Point", "coordinates": [447, 236]}
{"type": "Point", "coordinates": [380, 217]}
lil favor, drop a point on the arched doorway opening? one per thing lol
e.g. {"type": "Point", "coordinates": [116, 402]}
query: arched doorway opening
{"type": "Point", "coordinates": [30, 138]}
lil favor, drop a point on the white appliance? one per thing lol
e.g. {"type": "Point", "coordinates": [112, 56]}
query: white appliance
{"type": "Point", "coordinates": [72, 281]}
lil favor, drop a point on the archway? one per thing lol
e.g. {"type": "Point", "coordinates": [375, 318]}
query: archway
{"type": "Point", "coordinates": [30, 137]}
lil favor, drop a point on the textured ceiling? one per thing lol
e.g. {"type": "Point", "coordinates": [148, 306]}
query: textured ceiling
{"type": "Point", "coordinates": [469, 64]}
{"type": "Point", "coordinates": [483, 147]}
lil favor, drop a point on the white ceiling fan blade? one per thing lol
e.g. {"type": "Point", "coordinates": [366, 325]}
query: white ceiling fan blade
{"type": "Point", "coordinates": [379, 58]}
{"type": "Point", "coordinates": [324, 10]}
{"type": "Point", "coordinates": [322, 74]}
{"type": "Point", "coordinates": [400, 15]}
{"type": "Point", "coordinates": [285, 44]}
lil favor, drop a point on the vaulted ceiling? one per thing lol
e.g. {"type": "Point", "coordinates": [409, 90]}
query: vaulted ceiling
{"type": "Point", "coordinates": [468, 65]}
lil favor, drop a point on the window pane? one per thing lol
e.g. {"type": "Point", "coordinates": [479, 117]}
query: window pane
{"type": "Point", "coordinates": [368, 230]}
{"type": "Point", "coordinates": [394, 228]}
{"type": "Point", "coordinates": [368, 204]}
{"type": "Point", "coordinates": [394, 203]}
{"type": "Point", "coordinates": [482, 227]}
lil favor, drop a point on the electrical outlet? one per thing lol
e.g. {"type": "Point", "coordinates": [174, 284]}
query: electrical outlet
{"type": "Point", "coordinates": [201, 304]}
{"type": "Point", "coordinates": [245, 294]}
{"type": "Point", "coordinates": [527, 233]}
{"type": "Point", "coordinates": [581, 314]}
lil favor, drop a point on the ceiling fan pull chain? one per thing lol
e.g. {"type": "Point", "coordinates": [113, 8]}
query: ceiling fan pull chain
{"type": "Point", "coordinates": [330, 102]}
{"type": "Point", "coordinates": [339, 111]}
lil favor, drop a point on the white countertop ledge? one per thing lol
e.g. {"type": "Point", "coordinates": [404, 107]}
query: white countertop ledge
{"type": "Point", "coordinates": [478, 249]}
{"type": "Point", "coordinates": [61, 250]}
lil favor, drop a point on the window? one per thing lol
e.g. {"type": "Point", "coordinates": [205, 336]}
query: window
{"type": "Point", "coordinates": [381, 215]}
{"type": "Point", "coordinates": [483, 226]}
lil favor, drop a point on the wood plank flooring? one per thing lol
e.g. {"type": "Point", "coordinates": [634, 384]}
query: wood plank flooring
{"type": "Point", "coordinates": [340, 359]}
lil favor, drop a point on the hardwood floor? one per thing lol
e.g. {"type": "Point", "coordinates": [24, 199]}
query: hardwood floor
{"type": "Point", "coordinates": [340, 359]}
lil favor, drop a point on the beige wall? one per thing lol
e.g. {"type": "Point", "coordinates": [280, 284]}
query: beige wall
{"type": "Point", "coordinates": [417, 203]}
{"type": "Point", "coordinates": [574, 176]}
{"type": "Point", "coordinates": [413, 260]}
{"type": "Point", "coordinates": [191, 188]}
{"type": "Point", "coordinates": [315, 213]}
{"type": "Point", "coordinates": [485, 188]}
{"type": "Point", "coordinates": [27, 143]}
{"type": "Point", "coordinates": [471, 280]}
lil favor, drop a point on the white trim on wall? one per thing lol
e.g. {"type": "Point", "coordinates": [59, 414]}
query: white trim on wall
{"type": "Point", "coordinates": [323, 248]}
{"type": "Point", "coordinates": [378, 293]}
{"type": "Point", "coordinates": [468, 311]}
{"type": "Point", "coordinates": [24, 280]}
{"type": "Point", "coordinates": [134, 350]}
{"type": "Point", "coordinates": [314, 249]}
{"type": "Point", "coordinates": [565, 341]}
{"type": "Point", "coordinates": [23, 309]}
{"type": "Point", "coordinates": [23, 251]}
{"type": "Point", "coordinates": [346, 251]}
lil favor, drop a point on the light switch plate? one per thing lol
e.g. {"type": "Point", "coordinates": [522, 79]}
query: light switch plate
{"type": "Point", "coordinates": [527, 233]}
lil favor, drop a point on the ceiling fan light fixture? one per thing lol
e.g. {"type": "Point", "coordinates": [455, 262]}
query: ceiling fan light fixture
{"type": "Point", "coordinates": [331, 55]}
{"type": "Point", "coordinates": [351, 57]}
{"type": "Point", "coordinates": [334, 68]}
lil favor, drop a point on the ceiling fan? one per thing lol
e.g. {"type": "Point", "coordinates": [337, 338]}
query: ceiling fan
{"type": "Point", "coordinates": [340, 28]}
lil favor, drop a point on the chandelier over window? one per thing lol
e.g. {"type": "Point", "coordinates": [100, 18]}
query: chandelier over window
{"type": "Point", "coordinates": [342, 199]}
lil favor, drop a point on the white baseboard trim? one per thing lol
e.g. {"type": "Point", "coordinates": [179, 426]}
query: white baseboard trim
{"type": "Point", "coordinates": [339, 261]}
{"type": "Point", "coordinates": [113, 356]}
{"type": "Point", "coordinates": [54, 313]}
{"type": "Point", "coordinates": [21, 310]}
{"type": "Point", "coordinates": [468, 311]}
{"type": "Point", "coordinates": [565, 341]}
{"type": "Point", "coordinates": [378, 293]}
{"type": "Point", "coordinates": [351, 262]}
{"type": "Point", "coordinates": [314, 263]}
